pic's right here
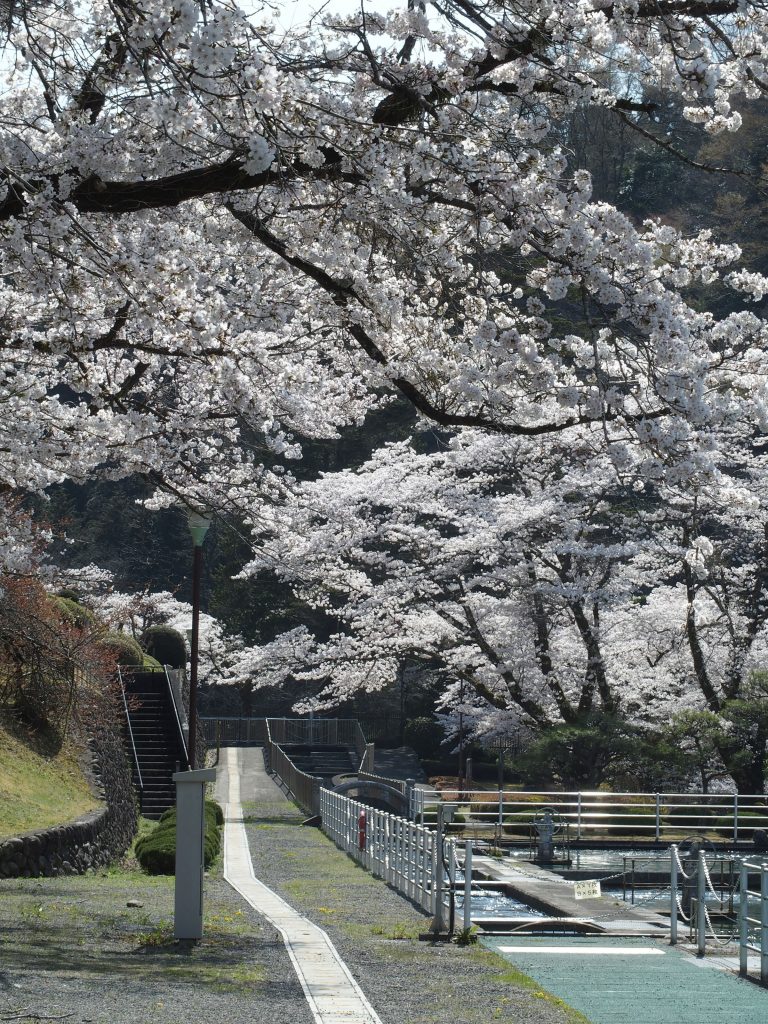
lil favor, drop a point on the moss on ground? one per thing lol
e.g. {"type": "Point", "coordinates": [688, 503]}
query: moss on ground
{"type": "Point", "coordinates": [39, 786]}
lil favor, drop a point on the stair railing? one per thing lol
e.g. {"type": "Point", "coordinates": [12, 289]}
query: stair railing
{"type": "Point", "coordinates": [179, 729]}
{"type": "Point", "coordinates": [130, 735]}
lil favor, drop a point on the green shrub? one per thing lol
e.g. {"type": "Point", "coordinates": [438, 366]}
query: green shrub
{"type": "Point", "coordinates": [156, 852]}
{"type": "Point", "coordinates": [756, 817]}
{"type": "Point", "coordinates": [151, 664]}
{"type": "Point", "coordinates": [639, 821]}
{"type": "Point", "coordinates": [165, 644]}
{"type": "Point", "coordinates": [73, 613]}
{"type": "Point", "coordinates": [125, 649]}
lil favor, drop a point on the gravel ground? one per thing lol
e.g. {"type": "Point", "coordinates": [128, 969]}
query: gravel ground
{"type": "Point", "coordinates": [408, 981]}
{"type": "Point", "coordinates": [72, 949]}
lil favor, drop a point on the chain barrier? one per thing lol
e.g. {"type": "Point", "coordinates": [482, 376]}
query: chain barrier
{"type": "Point", "coordinates": [680, 867]}
{"type": "Point", "coordinates": [727, 940]}
{"type": "Point", "coordinates": [686, 917]}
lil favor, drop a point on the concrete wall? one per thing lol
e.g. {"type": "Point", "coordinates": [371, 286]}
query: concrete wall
{"type": "Point", "coordinates": [94, 839]}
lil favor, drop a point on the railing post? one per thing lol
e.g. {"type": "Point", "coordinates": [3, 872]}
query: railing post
{"type": "Point", "coordinates": [701, 913]}
{"type": "Point", "coordinates": [673, 896]}
{"type": "Point", "coordinates": [501, 809]}
{"type": "Point", "coordinates": [438, 922]}
{"type": "Point", "coordinates": [467, 886]}
{"type": "Point", "coordinates": [409, 787]}
{"type": "Point", "coordinates": [735, 817]}
{"type": "Point", "coordinates": [743, 918]}
{"type": "Point", "coordinates": [658, 818]}
{"type": "Point", "coordinates": [763, 925]}
{"type": "Point", "coordinates": [578, 816]}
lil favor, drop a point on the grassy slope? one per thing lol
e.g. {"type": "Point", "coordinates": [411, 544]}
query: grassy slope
{"type": "Point", "coordinates": [39, 788]}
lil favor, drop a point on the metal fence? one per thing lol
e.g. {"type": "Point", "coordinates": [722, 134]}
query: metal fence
{"type": "Point", "coordinates": [654, 817]}
{"type": "Point", "coordinates": [402, 853]}
{"type": "Point", "coordinates": [231, 731]}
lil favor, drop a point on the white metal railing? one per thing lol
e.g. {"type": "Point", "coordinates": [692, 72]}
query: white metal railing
{"type": "Point", "coordinates": [655, 817]}
{"type": "Point", "coordinates": [753, 927]}
{"type": "Point", "coordinates": [404, 854]}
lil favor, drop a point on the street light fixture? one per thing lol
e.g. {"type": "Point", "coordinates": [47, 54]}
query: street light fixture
{"type": "Point", "coordinates": [198, 527]}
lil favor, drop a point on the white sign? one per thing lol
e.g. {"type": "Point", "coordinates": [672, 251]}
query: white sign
{"type": "Point", "coordinates": [588, 890]}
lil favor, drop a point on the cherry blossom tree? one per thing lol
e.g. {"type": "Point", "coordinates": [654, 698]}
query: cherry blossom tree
{"type": "Point", "coordinates": [221, 238]}
{"type": "Point", "coordinates": [216, 233]}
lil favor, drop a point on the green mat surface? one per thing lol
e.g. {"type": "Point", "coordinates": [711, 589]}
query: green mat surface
{"type": "Point", "coordinates": [633, 981]}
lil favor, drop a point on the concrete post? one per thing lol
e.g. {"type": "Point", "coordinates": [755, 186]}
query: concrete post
{"type": "Point", "coordinates": [190, 839]}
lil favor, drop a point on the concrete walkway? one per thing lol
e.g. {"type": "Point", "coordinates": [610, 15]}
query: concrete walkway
{"type": "Point", "coordinates": [632, 980]}
{"type": "Point", "coordinates": [333, 995]}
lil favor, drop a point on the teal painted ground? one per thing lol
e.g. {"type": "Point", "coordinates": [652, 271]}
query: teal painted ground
{"type": "Point", "coordinates": [632, 989]}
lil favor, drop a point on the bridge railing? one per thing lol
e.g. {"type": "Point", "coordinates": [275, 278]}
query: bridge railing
{"type": "Point", "coordinates": [395, 849]}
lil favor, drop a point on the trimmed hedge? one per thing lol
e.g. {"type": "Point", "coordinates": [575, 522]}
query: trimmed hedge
{"type": "Point", "coordinates": [165, 644]}
{"type": "Point", "coordinates": [125, 649]}
{"type": "Point", "coordinates": [72, 612]}
{"type": "Point", "coordinates": [156, 852]}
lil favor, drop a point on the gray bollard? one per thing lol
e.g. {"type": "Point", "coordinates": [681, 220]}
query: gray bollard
{"type": "Point", "coordinates": [190, 856]}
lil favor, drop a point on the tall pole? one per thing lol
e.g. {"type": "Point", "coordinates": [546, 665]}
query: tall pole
{"type": "Point", "coordinates": [198, 527]}
{"type": "Point", "coordinates": [197, 572]}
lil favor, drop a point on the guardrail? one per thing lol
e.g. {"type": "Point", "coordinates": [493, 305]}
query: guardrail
{"type": "Point", "coordinates": [404, 854]}
{"type": "Point", "coordinates": [753, 928]}
{"type": "Point", "coordinates": [305, 789]}
{"type": "Point", "coordinates": [654, 817]}
{"type": "Point", "coordinates": [179, 713]}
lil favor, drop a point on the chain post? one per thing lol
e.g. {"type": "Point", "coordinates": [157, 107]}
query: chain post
{"type": "Point", "coordinates": [701, 915]}
{"type": "Point", "coordinates": [673, 897]}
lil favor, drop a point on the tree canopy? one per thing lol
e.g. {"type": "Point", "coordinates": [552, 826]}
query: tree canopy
{"type": "Point", "coordinates": [222, 238]}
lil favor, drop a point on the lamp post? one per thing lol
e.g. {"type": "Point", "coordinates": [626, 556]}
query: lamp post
{"type": "Point", "coordinates": [198, 527]}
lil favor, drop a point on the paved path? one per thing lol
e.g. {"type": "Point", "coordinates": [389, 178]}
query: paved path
{"type": "Point", "coordinates": [333, 995]}
{"type": "Point", "coordinates": [633, 980]}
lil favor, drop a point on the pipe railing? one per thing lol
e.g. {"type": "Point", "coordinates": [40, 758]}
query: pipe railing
{"type": "Point", "coordinates": [650, 817]}
{"type": "Point", "coordinates": [130, 735]}
{"type": "Point", "coordinates": [177, 718]}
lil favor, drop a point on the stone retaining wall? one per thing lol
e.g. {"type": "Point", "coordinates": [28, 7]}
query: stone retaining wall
{"type": "Point", "coordinates": [94, 839]}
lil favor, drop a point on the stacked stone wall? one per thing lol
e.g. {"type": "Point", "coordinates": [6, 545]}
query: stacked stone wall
{"type": "Point", "coordinates": [92, 840]}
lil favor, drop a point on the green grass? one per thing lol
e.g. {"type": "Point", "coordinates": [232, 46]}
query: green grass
{"type": "Point", "coordinates": [39, 787]}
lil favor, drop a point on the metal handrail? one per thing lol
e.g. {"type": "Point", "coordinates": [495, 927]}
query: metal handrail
{"type": "Point", "coordinates": [130, 730]}
{"type": "Point", "coordinates": [653, 816]}
{"type": "Point", "coordinates": [179, 728]}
